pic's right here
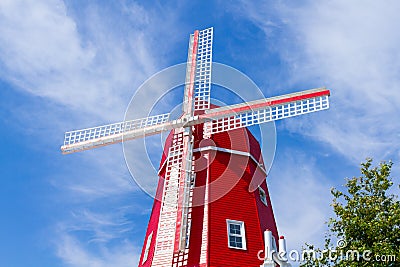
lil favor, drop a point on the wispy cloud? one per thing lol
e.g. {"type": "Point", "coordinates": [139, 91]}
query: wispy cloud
{"type": "Point", "coordinates": [101, 226]}
{"type": "Point", "coordinates": [76, 254]}
{"type": "Point", "coordinates": [95, 175]}
{"type": "Point", "coordinates": [85, 64]}
{"type": "Point", "coordinates": [43, 54]}
{"type": "Point", "coordinates": [300, 197]}
{"type": "Point", "coordinates": [351, 47]}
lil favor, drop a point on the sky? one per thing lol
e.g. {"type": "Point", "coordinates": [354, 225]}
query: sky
{"type": "Point", "coordinates": [75, 64]}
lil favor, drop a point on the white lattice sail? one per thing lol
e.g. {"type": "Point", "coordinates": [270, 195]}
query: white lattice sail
{"type": "Point", "coordinates": [111, 133]}
{"type": "Point", "coordinates": [203, 70]}
{"type": "Point", "coordinates": [266, 110]}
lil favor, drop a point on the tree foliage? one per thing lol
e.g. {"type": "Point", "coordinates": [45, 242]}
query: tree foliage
{"type": "Point", "coordinates": [367, 222]}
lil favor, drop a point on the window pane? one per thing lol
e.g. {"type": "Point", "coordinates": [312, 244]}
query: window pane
{"type": "Point", "coordinates": [235, 241]}
{"type": "Point", "coordinates": [231, 229]}
{"type": "Point", "coordinates": [234, 229]}
{"type": "Point", "coordinates": [236, 237]}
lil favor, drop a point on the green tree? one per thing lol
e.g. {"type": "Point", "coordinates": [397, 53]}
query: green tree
{"type": "Point", "coordinates": [367, 221]}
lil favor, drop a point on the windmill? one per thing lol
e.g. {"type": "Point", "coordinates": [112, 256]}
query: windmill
{"type": "Point", "coordinates": [180, 232]}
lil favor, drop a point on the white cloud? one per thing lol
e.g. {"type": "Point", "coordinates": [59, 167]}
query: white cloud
{"type": "Point", "coordinates": [85, 66]}
{"type": "Point", "coordinates": [102, 226]}
{"type": "Point", "coordinates": [300, 197]}
{"type": "Point", "coordinates": [100, 174]}
{"type": "Point", "coordinates": [76, 254]}
{"type": "Point", "coordinates": [42, 53]}
{"type": "Point", "coordinates": [351, 47]}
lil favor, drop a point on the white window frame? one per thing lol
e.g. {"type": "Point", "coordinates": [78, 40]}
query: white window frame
{"type": "Point", "coordinates": [263, 196]}
{"type": "Point", "coordinates": [147, 247]}
{"type": "Point", "coordinates": [242, 233]}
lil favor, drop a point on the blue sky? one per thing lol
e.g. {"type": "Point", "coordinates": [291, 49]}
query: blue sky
{"type": "Point", "coordinates": [74, 64]}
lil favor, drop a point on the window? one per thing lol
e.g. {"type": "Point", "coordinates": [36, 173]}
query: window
{"type": "Point", "coordinates": [236, 234]}
{"type": "Point", "coordinates": [263, 196]}
{"type": "Point", "coordinates": [147, 247]}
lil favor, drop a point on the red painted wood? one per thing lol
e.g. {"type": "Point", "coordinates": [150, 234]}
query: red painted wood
{"type": "Point", "coordinates": [237, 204]}
{"type": "Point", "coordinates": [197, 219]}
{"type": "Point", "coordinates": [189, 107]}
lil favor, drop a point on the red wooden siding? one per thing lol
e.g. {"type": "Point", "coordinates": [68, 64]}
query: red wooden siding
{"type": "Point", "coordinates": [225, 171]}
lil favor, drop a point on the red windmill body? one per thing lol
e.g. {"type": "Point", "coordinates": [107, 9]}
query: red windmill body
{"type": "Point", "coordinates": [212, 205]}
{"type": "Point", "coordinates": [233, 162]}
